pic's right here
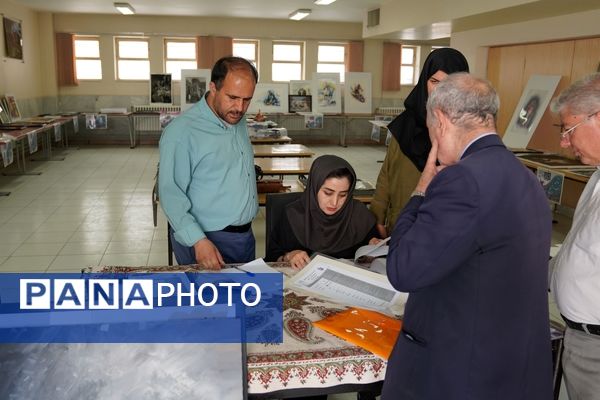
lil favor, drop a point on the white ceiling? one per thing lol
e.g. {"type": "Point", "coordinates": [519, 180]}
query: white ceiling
{"type": "Point", "coordinates": [341, 10]}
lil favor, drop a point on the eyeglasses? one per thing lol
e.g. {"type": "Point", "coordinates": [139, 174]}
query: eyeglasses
{"type": "Point", "coordinates": [565, 133]}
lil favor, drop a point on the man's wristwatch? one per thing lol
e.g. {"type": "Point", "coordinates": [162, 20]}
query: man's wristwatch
{"type": "Point", "coordinates": [417, 193]}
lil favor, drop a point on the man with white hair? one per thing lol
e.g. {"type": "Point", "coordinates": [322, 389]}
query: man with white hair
{"type": "Point", "coordinates": [576, 267]}
{"type": "Point", "coordinates": [471, 249]}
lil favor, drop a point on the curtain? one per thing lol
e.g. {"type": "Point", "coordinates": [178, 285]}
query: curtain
{"type": "Point", "coordinates": [65, 60]}
{"type": "Point", "coordinates": [210, 48]}
{"type": "Point", "coordinates": [354, 61]}
{"type": "Point", "coordinates": [391, 66]}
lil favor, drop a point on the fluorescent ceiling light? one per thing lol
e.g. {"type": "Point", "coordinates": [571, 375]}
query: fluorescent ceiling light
{"type": "Point", "coordinates": [300, 13]}
{"type": "Point", "coordinates": [124, 8]}
{"type": "Point", "coordinates": [323, 2]}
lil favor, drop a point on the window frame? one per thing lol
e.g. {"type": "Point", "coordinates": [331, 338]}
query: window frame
{"type": "Point", "coordinates": [179, 40]}
{"type": "Point", "coordinates": [90, 39]}
{"type": "Point", "coordinates": [413, 64]}
{"type": "Point", "coordinates": [118, 58]}
{"type": "Point", "coordinates": [302, 45]}
{"type": "Point", "coordinates": [256, 44]}
{"type": "Point", "coordinates": [343, 63]}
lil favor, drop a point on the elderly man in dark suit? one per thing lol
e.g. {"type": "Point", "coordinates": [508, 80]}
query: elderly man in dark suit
{"type": "Point", "coordinates": [471, 247]}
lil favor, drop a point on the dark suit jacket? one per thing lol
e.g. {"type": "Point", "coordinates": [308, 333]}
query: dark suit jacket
{"type": "Point", "coordinates": [473, 254]}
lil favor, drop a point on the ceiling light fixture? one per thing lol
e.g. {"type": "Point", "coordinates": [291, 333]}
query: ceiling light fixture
{"type": "Point", "coordinates": [300, 13]}
{"type": "Point", "coordinates": [124, 8]}
{"type": "Point", "coordinates": [324, 2]}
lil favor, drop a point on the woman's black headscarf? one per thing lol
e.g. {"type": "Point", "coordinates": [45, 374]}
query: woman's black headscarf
{"type": "Point", "coordinates": [324, 233]}
{"type": "Point", "coordinates": [410, 128]}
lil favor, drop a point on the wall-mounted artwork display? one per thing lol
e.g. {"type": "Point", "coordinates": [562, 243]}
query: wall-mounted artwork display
{"type": "Point", "coordinates": [12, 107]}
{"type": "Point", "coordinates": [300, 103]}
{"type": "Point", "coordinates": [194, 84]}
{"type": "Point", "coordinates": [13, 38]}
{"type": "Point", "coordinates": [357, 93]}
{"type": "Point", "coordinates": [270, 98]}
{"type": "Point", "coordinates": [160, 89]}
{"type": "Point", "coordinates": [326, 93]}
{"type": "Point", "coordinates": [96, 121]}
{"type": "Point", "coordinates": [552, 182]}
{"type": "Point", "coordinates": [529, 111]}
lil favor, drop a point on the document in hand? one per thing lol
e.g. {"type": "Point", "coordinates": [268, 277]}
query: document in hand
{"type": "Point", "coordinates": [370, 330]}
{"type": "Point", "coordinates": [344, 284]}
{"type": "Point", "coordinates": [372, 251]}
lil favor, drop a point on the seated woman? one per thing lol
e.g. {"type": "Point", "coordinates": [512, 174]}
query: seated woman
{"type": "Point", "coordinates": [325, 219]}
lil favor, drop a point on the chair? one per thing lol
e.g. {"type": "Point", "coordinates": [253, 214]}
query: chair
{"type": "Point", "coordinates": [274, 206]}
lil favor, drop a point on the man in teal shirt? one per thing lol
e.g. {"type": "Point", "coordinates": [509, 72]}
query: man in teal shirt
{"type": "Point", "coordinates": [206, 183]}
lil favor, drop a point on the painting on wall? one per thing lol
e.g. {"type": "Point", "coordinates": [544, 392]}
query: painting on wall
{"type": "Point", "coordinates": [269, 98]}
{"type": "Point", "coordinates": [530, 109]}
{"type": "Point", "coordinates": [357, 93]}
{"type": "Point", "coordinates": [194, 84]}
{"type": "Point", "coordinates": [13, 38]}
{"type": "Point", "coordinates": [326, 93]}
{"type": "Point", "coordinates": [160, 89]}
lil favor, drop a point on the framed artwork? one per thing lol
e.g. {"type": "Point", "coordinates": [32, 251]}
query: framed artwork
{"type": "Point", "coordinates": [358, 93]}
{"type": "Point", "coordinates": [160, 89]}
{"type": "Point", "coordinates": [552, 161]}
{"type": "Point", "coordinates": [13, 38]}
{"type": "Point", "coordinates": [300, 103]}
{"type": "Point", "coordinates": [270, 98]}
{"type": "Point", "coordinates": [552, 182]}
{"type": "Point", "coordinates": [194, 83]}
{"type": "Point", "coordinates": [301, 88]}
{"type": "Point", "coordinates": [96, 121]}
{"type": "Point", "coordinates": [529, 111]}
{"type": "Point", "coordinates": [313, 121]}
{"type": "Point", "coordinates": [327, 93]}
{"type": "Point", "coordinates": [4, 117]}
{"type": "Point", "coordinates": [12, 107]}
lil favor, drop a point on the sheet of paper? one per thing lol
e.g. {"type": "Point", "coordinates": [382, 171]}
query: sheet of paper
{"type": "Point", "coordinates": [258, 266]}
{"type": "Point", "coordinates": [373, 250]}
{"type": "Point", "coordinates": [326, 277]}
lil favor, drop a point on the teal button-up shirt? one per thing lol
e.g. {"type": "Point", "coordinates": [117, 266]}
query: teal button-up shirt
{"type": "Point", "coordinates": [206, 177]}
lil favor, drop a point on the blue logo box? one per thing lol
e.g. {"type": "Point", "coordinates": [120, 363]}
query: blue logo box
{"type": "Point", "coordinates": [141, 308]}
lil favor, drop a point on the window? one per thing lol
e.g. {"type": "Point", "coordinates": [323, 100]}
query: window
{"type": "Point", "coordinates": [247, 49]}
{"type": "Point", "coordinates": [132, 59]}
{"type": "Point", "coordinates": [331, 58]}
{"type": "Point", "coordinates": [288, 61]}
{"type": "Point", "coordinates": [87, 58]}
{"type": "Point", "coordinates": [408, 69]}
{"type": "Point", "coordinates": [179, 54]}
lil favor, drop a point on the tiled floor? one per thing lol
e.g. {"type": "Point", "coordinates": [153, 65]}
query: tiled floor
{"type": "Point", "coordinates": [94, 208]}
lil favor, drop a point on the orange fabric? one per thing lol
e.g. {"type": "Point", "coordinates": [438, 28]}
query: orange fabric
{"type": "Point", "coordinates": [391, 66]}
{"type": "Point", "coordinates": [354, 61]}
{"type": "Point", "coordinates": [65, 60]}
{"type": "Point", "coordinates": [210, 48]}
{"type": "Point", "coordinates": [368, 329]}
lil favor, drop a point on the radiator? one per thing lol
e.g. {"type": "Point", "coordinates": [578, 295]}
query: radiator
{"type": "Point", "coordinates": [389, 110]}
{"type": "Point", "coordinates": [151, 122]}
